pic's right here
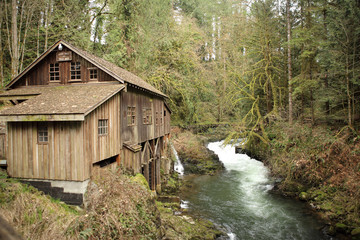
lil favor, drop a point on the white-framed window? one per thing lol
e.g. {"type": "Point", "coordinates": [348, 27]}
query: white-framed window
{"type": "Point", "coordinates": [103, 127]}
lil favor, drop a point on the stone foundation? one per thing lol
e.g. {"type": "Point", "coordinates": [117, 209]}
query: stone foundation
{"type": "Point", "coordinates": [70, 192]}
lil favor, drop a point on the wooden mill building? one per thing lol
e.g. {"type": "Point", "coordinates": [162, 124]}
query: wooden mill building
{"type": "Point", "coordinates": [73, 111]}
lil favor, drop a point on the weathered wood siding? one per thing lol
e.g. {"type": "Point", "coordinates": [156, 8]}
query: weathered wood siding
{"type": "Point", "coordinates": [39, 74]}
{"type": "Point", "coordinates": [97, 147]}
{"type": "Point", "coordinates": [141, 132]}
{"type": "Point", "coordinates": [2, 146]}
{"type": "Point", "coordinates": [167, 121]}
{"type": "Point", "coordinates": [132, 160]}
{"type": "Point", "coordinates": [62, 158]}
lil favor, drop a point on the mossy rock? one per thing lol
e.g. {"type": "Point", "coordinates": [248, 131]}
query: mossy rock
{"type": "Point", "coordinates": [340, 227]}
{"type": "Point", "coordinates": [139, 178]}
{"type": "Point", "coordinates": [319, 195]}
{"type": "Point", "coordinates": [304, 196]}
{"type": "Point", "coordinates": [356, 233]}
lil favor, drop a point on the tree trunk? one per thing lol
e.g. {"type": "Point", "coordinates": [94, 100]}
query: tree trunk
{"type": "Point", "coordinates": [14, 39]}
{"type": "Point", "coordinates": [1, 49]}
{"type": "Point", "coordinates": [348, 92]}
{"type": "Point", "coordinates": [38, 39]}
{"type": "Point", "coordinates": [326, 80]}
{"type": "Point", "coordinates": [289, 61]}
{"type": "Point", "coordinates": [46, 24]}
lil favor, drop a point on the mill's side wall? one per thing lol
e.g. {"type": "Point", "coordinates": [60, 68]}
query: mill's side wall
{"type": "Point", "coordinates": [61, 158]}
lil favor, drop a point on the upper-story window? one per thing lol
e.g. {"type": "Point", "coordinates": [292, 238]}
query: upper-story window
{"type": "Point", "coordinates": [93, 74]}
{"type": "Point", "coordinates": [75, 71]}
{"type": "Point", "coordinates": [54, 72]}
{"type": "Point", "coordinates": [147, 116]}
{"type": "Point", "coordinates": [131, 116]}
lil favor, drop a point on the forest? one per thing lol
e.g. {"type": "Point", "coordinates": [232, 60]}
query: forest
{"type": "Point", "coordinates": [240, 62]}
{"type": "Point", "coordinates": [282, 74]}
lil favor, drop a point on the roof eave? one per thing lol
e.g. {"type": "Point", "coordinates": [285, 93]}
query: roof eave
{"type": "Point", "coordinates": [43, 117]}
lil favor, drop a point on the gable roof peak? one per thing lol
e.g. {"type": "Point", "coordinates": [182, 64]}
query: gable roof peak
{"type": "Point", "coordinates": [113, 70]}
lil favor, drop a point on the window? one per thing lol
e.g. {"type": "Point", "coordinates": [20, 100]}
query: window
{"type": "Point", "coordinates": [102, 127]}
{"type": "Point", "coordinates": [147, 116]}
{"type": "Point", "coordinates": [43, 136]}
{"type": "Point", "coordinates": [54, 72]}
{"type": "Point", "coordinates": [131, 116]}
{"type": "Point", "coordinates": [93, 74]}
{"type": "Point", "coordinates": [75, 71]}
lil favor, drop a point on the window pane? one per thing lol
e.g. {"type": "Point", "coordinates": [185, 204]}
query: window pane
{"type": "Point", "coordinates": [75, 70]}
{"type": "Point", "coordinates": [54, 72]}
{"type": "Point", "coordinates": [43, 134]}
{"type": "Point", "coordinates": [102, 127]}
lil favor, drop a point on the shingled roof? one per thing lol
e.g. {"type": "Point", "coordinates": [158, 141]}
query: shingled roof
{"type": "Point", "coordinates": [117, 72]}
{"type": "Point", "coordinates": [52, 102]}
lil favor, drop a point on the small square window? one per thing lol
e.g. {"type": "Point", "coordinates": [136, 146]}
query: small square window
{"type": "Point", "coordinates": [103, 127]}
{"type": "Point", "coordinates": [93, 74]}
{"type": "Point", "coordinates": [43, 136]}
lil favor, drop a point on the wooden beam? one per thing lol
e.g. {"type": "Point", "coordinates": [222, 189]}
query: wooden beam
{"type": "Point", "coordinates": [156, 146]}
{"type": "Point", "coordinates": [118, 159]}
{"type": "Point", "coordinates": [43, 118]}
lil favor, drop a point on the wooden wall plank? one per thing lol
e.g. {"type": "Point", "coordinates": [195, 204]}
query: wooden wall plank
{"type": "Point", "coordinates": [67, 154]}
{"type": "Point", "coordinates": [10, 149]}
{"type": "Point", "coordinates": [24, 150]}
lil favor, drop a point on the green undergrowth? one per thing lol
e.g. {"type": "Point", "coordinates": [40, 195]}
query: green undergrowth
{"type": "Point", "coordinates": [117, 206]}
{"type": "Point", "coordinates": [318, 165]}
{"type": "Point", "coordinates": [33, 214]}
{"type": "Point", "coordinates": [193, 153]}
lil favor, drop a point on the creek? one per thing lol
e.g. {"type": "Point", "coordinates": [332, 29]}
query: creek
{"type": "Point", "coordinates": [239, 200]}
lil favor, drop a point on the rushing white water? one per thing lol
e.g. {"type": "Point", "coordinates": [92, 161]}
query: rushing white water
{"type": "Point", "coordinates": [178, 167]}
{"type": "Point", "coordinates": [239, 200]}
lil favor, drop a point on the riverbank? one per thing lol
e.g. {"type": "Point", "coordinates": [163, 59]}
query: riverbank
{"type": "Point", "coordinates": [320, 166]}
{"type": "Point", "coordinates": [128, 211]}
{"type": "Point", "coordinates": [195, 156]}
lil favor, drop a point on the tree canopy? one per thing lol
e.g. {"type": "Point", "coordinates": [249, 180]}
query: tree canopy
{"type": "Point", "coordinates": [241, 62]}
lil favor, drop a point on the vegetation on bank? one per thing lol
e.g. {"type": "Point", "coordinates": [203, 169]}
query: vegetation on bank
{"type": "Point", "coordinates": [319, 165]}
{"type": "Point", "coordinates": [117, 207]}
{"type": "Point", "coordinates": [193, 153]}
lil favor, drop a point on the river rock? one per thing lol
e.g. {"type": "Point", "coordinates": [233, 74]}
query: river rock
{"type": "Point", "coordinates": [356, 233]}
{"type": "Point", "coordinates": [304, 196]}
{"type": "Point", "coordinates": [340, 227]}
{"type": "Point", "coordinates": [169, 199]}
